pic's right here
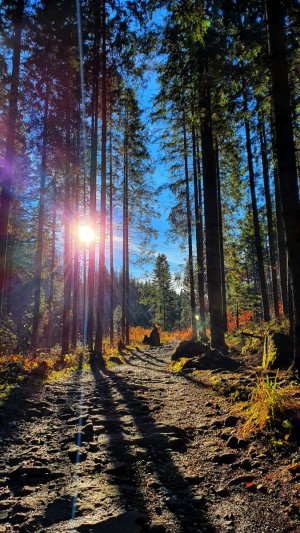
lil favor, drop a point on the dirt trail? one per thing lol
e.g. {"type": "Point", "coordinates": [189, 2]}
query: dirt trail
{"type": "Point", "coordinates": [153, 458]}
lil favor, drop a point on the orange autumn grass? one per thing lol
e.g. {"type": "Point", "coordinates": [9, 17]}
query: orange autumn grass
{"type": "Point", "coordinates": [137, 333]}
{"type": "Point", "coordinates": [47, 363]}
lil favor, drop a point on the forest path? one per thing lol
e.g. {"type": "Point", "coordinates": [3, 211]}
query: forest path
{"type": "Point", "coordinates": [153, 452]}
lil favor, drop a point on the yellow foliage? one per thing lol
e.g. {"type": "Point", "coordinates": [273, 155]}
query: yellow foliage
{"type": "Point", "coordinates": [269, 353]}
{"type": "Point", "coordinates": [176, 366]}
{"type": "Point", "coordinates": [271, 399]}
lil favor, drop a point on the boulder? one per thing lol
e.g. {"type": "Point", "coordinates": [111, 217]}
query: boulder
{"type": "Point", "coordinates": [153, 339]}
{"type": "Point", "coordinates": [189, 349]}
{"type": "Point", "coordinates": [211, 360]}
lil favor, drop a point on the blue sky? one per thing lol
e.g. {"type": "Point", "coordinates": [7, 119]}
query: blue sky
{"type": "Point", "coordinates": [163, 201]}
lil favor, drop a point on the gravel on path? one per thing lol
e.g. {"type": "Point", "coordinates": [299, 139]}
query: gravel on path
{"type": "Point", "coordinates": [136, 449]}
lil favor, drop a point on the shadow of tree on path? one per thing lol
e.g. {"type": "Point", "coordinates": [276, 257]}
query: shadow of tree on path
{"type": "Point", "coordinates": [176, 494]}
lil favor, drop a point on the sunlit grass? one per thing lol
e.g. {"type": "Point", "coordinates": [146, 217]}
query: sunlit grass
{"type": "Point", "coordinates": [50, 366]}
{"type": "Point", "coordinates": [272, 399]}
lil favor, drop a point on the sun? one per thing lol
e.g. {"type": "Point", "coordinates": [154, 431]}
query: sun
{"type": "Point", "coordinates": [86, 233]}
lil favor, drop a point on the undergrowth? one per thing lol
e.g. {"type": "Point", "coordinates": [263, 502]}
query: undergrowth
{"type": "Point", "coordinates": [46, 365]}
{"type": "Point", "coordinates": [250, 338]}
{"type": "Point", "coordinates": [112, 356]}
{"type": "Point", "coordinates": [274, 401]}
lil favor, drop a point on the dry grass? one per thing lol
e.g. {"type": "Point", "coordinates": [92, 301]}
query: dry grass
{"type": "Point", "coordinates": [272, 399]}
{"type": "Point", "coordinates": [137, 333]}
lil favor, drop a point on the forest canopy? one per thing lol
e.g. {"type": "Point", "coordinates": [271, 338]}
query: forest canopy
{"type": "Point", "coordinates": [79, 191]}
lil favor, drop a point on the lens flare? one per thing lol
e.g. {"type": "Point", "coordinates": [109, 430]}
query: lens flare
{"type": "Point", "coordinates": [86, 234]}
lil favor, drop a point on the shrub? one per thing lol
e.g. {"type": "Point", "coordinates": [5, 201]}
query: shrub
{"type": "Point", "coordinates": [11, 372]}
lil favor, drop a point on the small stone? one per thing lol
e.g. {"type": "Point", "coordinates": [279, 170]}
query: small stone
{"type": "Point", "coordinates": [93, 447]}
{"type": "Point", "coordinates": [4, 494]}
{"type": "Point", "coordinates": [88, 431]}
{"type": "Point", "coordinates": [30, 473]}
{"type": "Point", "coordinates": [76, 455]}
{"type": "Point", "coordinates": [117, 469]}
{"type": "Point", "coordinates": [4, 516]}
{"type": "Point", "coordinates": [251, 487]}
{"type": "Point", "coordinates": [228, 516]}
{"type": "Point", "coordinates": [199, 500]}
{"type": "Point", "coordinates": [233, 442]}
{"type": "Point", "coordinates": [176, 444]}
{"type": "Point", "coordinates": [294, 468]}
{"type": "Point", "coordinates": [224, 458]}
{"type": "Point", "coordinates": [157, 528]}
{"type": "Point", "coordinates": [216, 424]}
{"type": "Point", "coordinates": [140, 452]}
{"type": "Point", "coordinates": [99, 430]}
{"type": "Point", "coordinates": [222, 491]}
{"type": "Point", "coordinates": [242, 443]}
{"type": "Point", "coordinates": [154, 485]}
{"type": "Point", "coordinates": [262, 488]}
{"type": "Point", "coordinates": [292, 510]}
{"type": "Point", "coordinates": [231, 421]}
{"type": "Point", "coordinates": [245, 464]}
{"type": "Point", "coordinates": [224, 435]}
{"type": "Point", "coordinates": [241, 479]}
{"type": "Point", "coordinates": [18, 518]}
{"type": "Point", "coordinates": [13, 461]}
{"type": "Point", "coordinates": [5, 505]}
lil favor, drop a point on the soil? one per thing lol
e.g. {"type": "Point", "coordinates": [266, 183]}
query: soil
{"type": "Point", "coordinates": [159, 452]}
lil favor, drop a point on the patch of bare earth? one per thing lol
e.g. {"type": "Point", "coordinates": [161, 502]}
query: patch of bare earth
{"type": "Point", "coordinates": [158, 452]}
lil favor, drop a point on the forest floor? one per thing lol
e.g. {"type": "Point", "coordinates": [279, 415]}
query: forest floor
{"type": "Point", "coordinates": [154, 457]}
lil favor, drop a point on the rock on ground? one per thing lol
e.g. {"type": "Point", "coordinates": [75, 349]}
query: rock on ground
{"type": "Point", "coordinates": [136, 449]}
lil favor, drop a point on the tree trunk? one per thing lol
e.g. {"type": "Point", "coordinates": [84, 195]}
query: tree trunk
{"type": "Point", "coordinates": [93, 172]}
{"type": "Point", "coordinates": [285, 149]}
{"type": "Point", "coordinates": [237, 314]}
{"type": "Point", "coordinates": [201, 251]}
{"type": "Point", "coordinates": [101, 277]}
{"type": "Point", "coordinates": [52, 266]}
{"type": "Point", "coordinates": [164, 300]}
{"type": "Point", "coordinates": [257, 235]}
{"type": "Point", "coordinates": [271, 236]}
{"type": "Point", "coordinates": [213, 259]}
{"type": "Point", "coordinates": [199, 237]}
{"type": "Point", "coordinates": [111, 243]}
{"type": "Point", "coordinates": [127, 323]}
{"type": "Point", "coordinates": [40, 233]}
{"type": "Point", "coordinates": [189, 231]}
{"type": "Point", "coordinates": [66, 318]}
{"type": "Point", "coordinates": [281, 246]}
{"type": "Point", "coordinates": [76, 260]}
{"type": "Point", "coordinates": [125, 273]}
{"type": "Point", "coordinates": [6, 193]}
{"type": "Point", "coordinates": [220, 221]}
